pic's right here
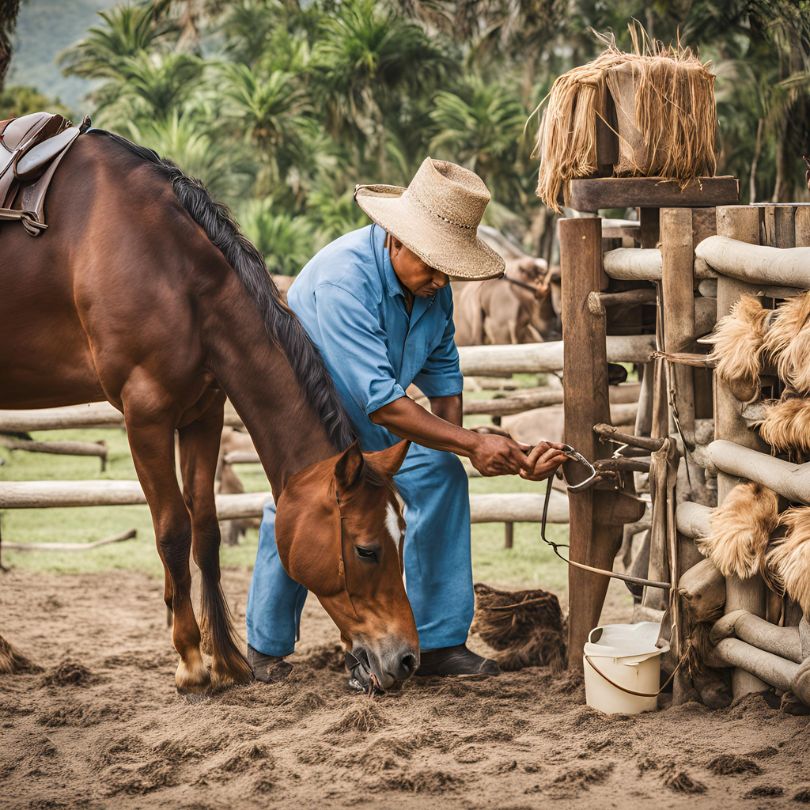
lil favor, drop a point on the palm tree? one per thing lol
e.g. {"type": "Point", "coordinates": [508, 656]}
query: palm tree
{"type": "Point", "coordinates": [285, 240]}
{"type": "Point", "coordinates": [227, 173]}
{"type": "Point", "coordinates": [125, 32]}
{"type": "Point", "coordinates": [367, 62]}
{"type": "Point", "coordinates": [480, 125]}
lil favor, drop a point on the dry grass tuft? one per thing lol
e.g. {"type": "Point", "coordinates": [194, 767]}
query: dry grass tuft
{"type": "Point", "coordinates": [738, 340]}
{"type": "Point", "coordinates": [365, 717]}
{"type": "Point", "coordinates": [789, 561]}
{"type": "Point", "coordinates": [13, 662]}
{"type": "Point", "coordinates": [787, 425]}
{"type": "Point", "coordinates": [740, 530]}
{"type": "Point", "coordinates": [666, 125]}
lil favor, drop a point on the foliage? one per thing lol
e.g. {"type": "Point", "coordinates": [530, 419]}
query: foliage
{"type": "Point", "coordinates": [282, 106]}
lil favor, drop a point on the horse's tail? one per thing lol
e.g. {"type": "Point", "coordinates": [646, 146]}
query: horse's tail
{"type": "Point", "coordinates": [217, 621]}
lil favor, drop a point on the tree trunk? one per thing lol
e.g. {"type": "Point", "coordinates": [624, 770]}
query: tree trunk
{"type": "Point", "coordinates": [8, 20]}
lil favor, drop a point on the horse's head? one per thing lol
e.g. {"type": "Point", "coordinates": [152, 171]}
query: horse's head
{"type": "Point", "coordinates": [339, 532]}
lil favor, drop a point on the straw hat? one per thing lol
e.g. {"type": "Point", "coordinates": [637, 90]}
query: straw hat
{"type": "Point", "coordinates": [437, 218]}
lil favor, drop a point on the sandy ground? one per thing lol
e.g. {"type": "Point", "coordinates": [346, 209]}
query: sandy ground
{"type": "Point", "coordinates": [103, 727]}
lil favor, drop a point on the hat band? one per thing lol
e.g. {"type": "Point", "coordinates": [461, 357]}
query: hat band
{"type": "Point", "coordinates": [409, 195]}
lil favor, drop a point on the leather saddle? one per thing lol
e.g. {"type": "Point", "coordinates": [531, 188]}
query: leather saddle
{"type": "Point", "coordinates": [31, 148]}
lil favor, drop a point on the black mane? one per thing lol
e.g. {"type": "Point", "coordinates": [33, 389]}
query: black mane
{"type": "Point", "coordinates": [283, 328]}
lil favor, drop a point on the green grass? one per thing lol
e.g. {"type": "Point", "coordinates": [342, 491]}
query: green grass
{"type": "Point", "coordinates": [529, 563]}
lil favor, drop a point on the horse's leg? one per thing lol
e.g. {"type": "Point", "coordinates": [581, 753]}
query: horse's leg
{"type": "Point", "coordinates": [199, 450]}
{"type": "Point", "coordinates": [151, 441]}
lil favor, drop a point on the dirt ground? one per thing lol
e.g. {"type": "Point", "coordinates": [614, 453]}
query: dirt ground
{"type": "Point", "coordinates": [102, 726]}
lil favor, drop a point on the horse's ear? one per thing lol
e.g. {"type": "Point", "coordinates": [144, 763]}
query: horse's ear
{"type": "Point", "coordinates": [388, 461]}
{"type": "Point", "coordinates": [349, 467]}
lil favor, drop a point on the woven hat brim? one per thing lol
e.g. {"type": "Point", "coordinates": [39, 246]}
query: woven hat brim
{"type": "Point", "coordinates": [439, 244]}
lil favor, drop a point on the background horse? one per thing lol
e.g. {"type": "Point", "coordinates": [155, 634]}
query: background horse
{"type": "Point", "coordinates": [143, 292]}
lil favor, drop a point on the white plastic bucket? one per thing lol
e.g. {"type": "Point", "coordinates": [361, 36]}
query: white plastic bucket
{"type": "Point", "coordinates": [627, 655]}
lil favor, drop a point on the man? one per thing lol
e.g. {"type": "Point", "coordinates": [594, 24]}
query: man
{"type": "Point", "coordinates": [378, 304]}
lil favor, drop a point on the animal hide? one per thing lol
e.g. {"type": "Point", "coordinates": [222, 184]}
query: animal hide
{"type": "Point", "coordinates": [740, 530]}
{"type": "Point", "coordinates": [787, 342]}
{"type": "Point", "coordinates": [789, 560]}
{"type": "Point", "coordinates": [786, 425]}
{"type": "Point", "coordinates": [738, 340]}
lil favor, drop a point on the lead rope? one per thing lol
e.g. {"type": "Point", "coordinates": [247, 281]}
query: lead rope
{"type": "Point", "coordinates": [652, 583]}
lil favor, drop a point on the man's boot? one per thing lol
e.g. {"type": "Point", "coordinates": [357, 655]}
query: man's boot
{"type": "Point", "coordinates": [267, 668]}
{"type": "Point", "coordinates": [456, 661]}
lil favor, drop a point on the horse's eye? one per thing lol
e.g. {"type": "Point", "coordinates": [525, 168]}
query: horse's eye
{"type": "Point", "coordinates": [366, 553]}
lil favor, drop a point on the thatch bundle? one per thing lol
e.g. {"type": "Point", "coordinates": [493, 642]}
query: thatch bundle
{"type": "Point", "coordinates": [738, 339]}
{"type": "Point", "coordinates": [527, 627]}
{"type": "Point", "coordinates": [789, 560]}
{"type": "Point", "coordinates": [786, 426]}
{"type": "Point", "coordinates": [741, 528]}
{"type": "Point", "coordinates": [665, 120]}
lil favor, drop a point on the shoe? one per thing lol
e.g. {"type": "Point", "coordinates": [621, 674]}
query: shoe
{"type": "Point", "coordinates": [267, 668]}
{"type": "Point", "coordinates": [458, 661]}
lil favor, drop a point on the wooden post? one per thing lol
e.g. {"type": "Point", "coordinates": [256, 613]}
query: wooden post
{"type": "Point", "coordinates": [508, 535]}
{"type": "Point", "coordinates": [585, 391]}
{"type": "Point", "coordinates": [741, 223]}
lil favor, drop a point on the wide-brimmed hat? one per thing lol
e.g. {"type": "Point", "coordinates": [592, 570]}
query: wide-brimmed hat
{"type": "Point", "coordinates": [437, 218]}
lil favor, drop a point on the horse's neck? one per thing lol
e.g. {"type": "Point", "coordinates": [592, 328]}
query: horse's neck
{"type": "Point", "coordinates": [260, 383]}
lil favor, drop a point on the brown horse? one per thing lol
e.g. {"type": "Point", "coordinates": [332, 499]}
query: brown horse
{"type": "Point", "coordinates": [143, 292]}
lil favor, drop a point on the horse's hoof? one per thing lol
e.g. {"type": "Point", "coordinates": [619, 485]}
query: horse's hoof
{"type": "Point", "coordinates": [192, 681]}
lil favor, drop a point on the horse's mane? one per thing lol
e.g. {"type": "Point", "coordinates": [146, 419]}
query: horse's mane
{"type": "Point", "coordinates": [283, 328]}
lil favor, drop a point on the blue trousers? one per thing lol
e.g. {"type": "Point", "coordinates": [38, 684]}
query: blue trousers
{"type": "Point", "coordinates": [438, 568]}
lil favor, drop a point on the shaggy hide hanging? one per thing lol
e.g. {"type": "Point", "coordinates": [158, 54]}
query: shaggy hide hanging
{"type": "Point", "coordinates": [789, 560]}
{"type": "Point", "coordinates": [526, 627]}
{"type": "Point", "coordinates": [740, 530]}
{"type": "Point", "coordinates": [787, 342]}
{"type": "Point", "coordinates": [666, 117]}
{"type": "Point", "coordinates": [738, 339]}
{"type": "Point", "coordinates": [786, 426]}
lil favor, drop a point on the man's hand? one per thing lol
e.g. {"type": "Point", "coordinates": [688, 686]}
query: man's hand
{"type": "Point", "coordinates": [542, 460]}
{"type": "Point", "coordinates": [497, 455]}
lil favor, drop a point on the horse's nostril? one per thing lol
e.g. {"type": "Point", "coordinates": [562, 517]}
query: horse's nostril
{"type": "Point", "coordinates": [408, 664]}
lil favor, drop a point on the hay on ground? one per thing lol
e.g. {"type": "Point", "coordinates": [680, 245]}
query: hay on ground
{"type": "Point", "coordinates": [526, 627]}
{"type": "Point", "coordinates": [13, 662]}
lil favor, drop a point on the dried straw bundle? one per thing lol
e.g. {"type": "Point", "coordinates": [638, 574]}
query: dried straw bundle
{"type": "Point", "coordinates": [12, 661]}
{"type": "Point", "coordinates": [526, 626]}
{"type": "Point", "coordinates": [665, 109]}
{"type": "Point", "coordinates": [741, 528]}
{"type": "Point", "coordinates": [738, 340]}
{"type": "Point", "coordinates": [787, 342]}
{"type": "Point", "coordinates": [789, 560]}
{"type": "Point", "coordinates": [786, 425]}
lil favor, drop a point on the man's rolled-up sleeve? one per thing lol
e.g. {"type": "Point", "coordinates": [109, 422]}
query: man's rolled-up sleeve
{"type": "Point", "coordinates": [441, 374]}
{"type": "Point", "coordinates": [354, 348]}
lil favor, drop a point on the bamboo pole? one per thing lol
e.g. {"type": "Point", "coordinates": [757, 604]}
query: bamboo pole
{"type": "Point", "coordinates": [756, 264]}
{"type": "Point", "coordinates": [547, 357]}
{"type": "Point", "coordinates": [742, 224]}
{"type": "Point", "coordinates": [791, 481]}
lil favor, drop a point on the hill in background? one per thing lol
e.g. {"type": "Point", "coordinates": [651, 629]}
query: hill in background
{"type": "Point", "coordinates": [44, 29]}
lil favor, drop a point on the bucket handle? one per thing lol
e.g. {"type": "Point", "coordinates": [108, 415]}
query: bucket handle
{"type": "Point", "coordinates": [630, 691]}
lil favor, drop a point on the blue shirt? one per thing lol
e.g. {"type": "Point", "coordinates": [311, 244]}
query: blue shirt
{"type": "Point", "coordinates": [353, 307]}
